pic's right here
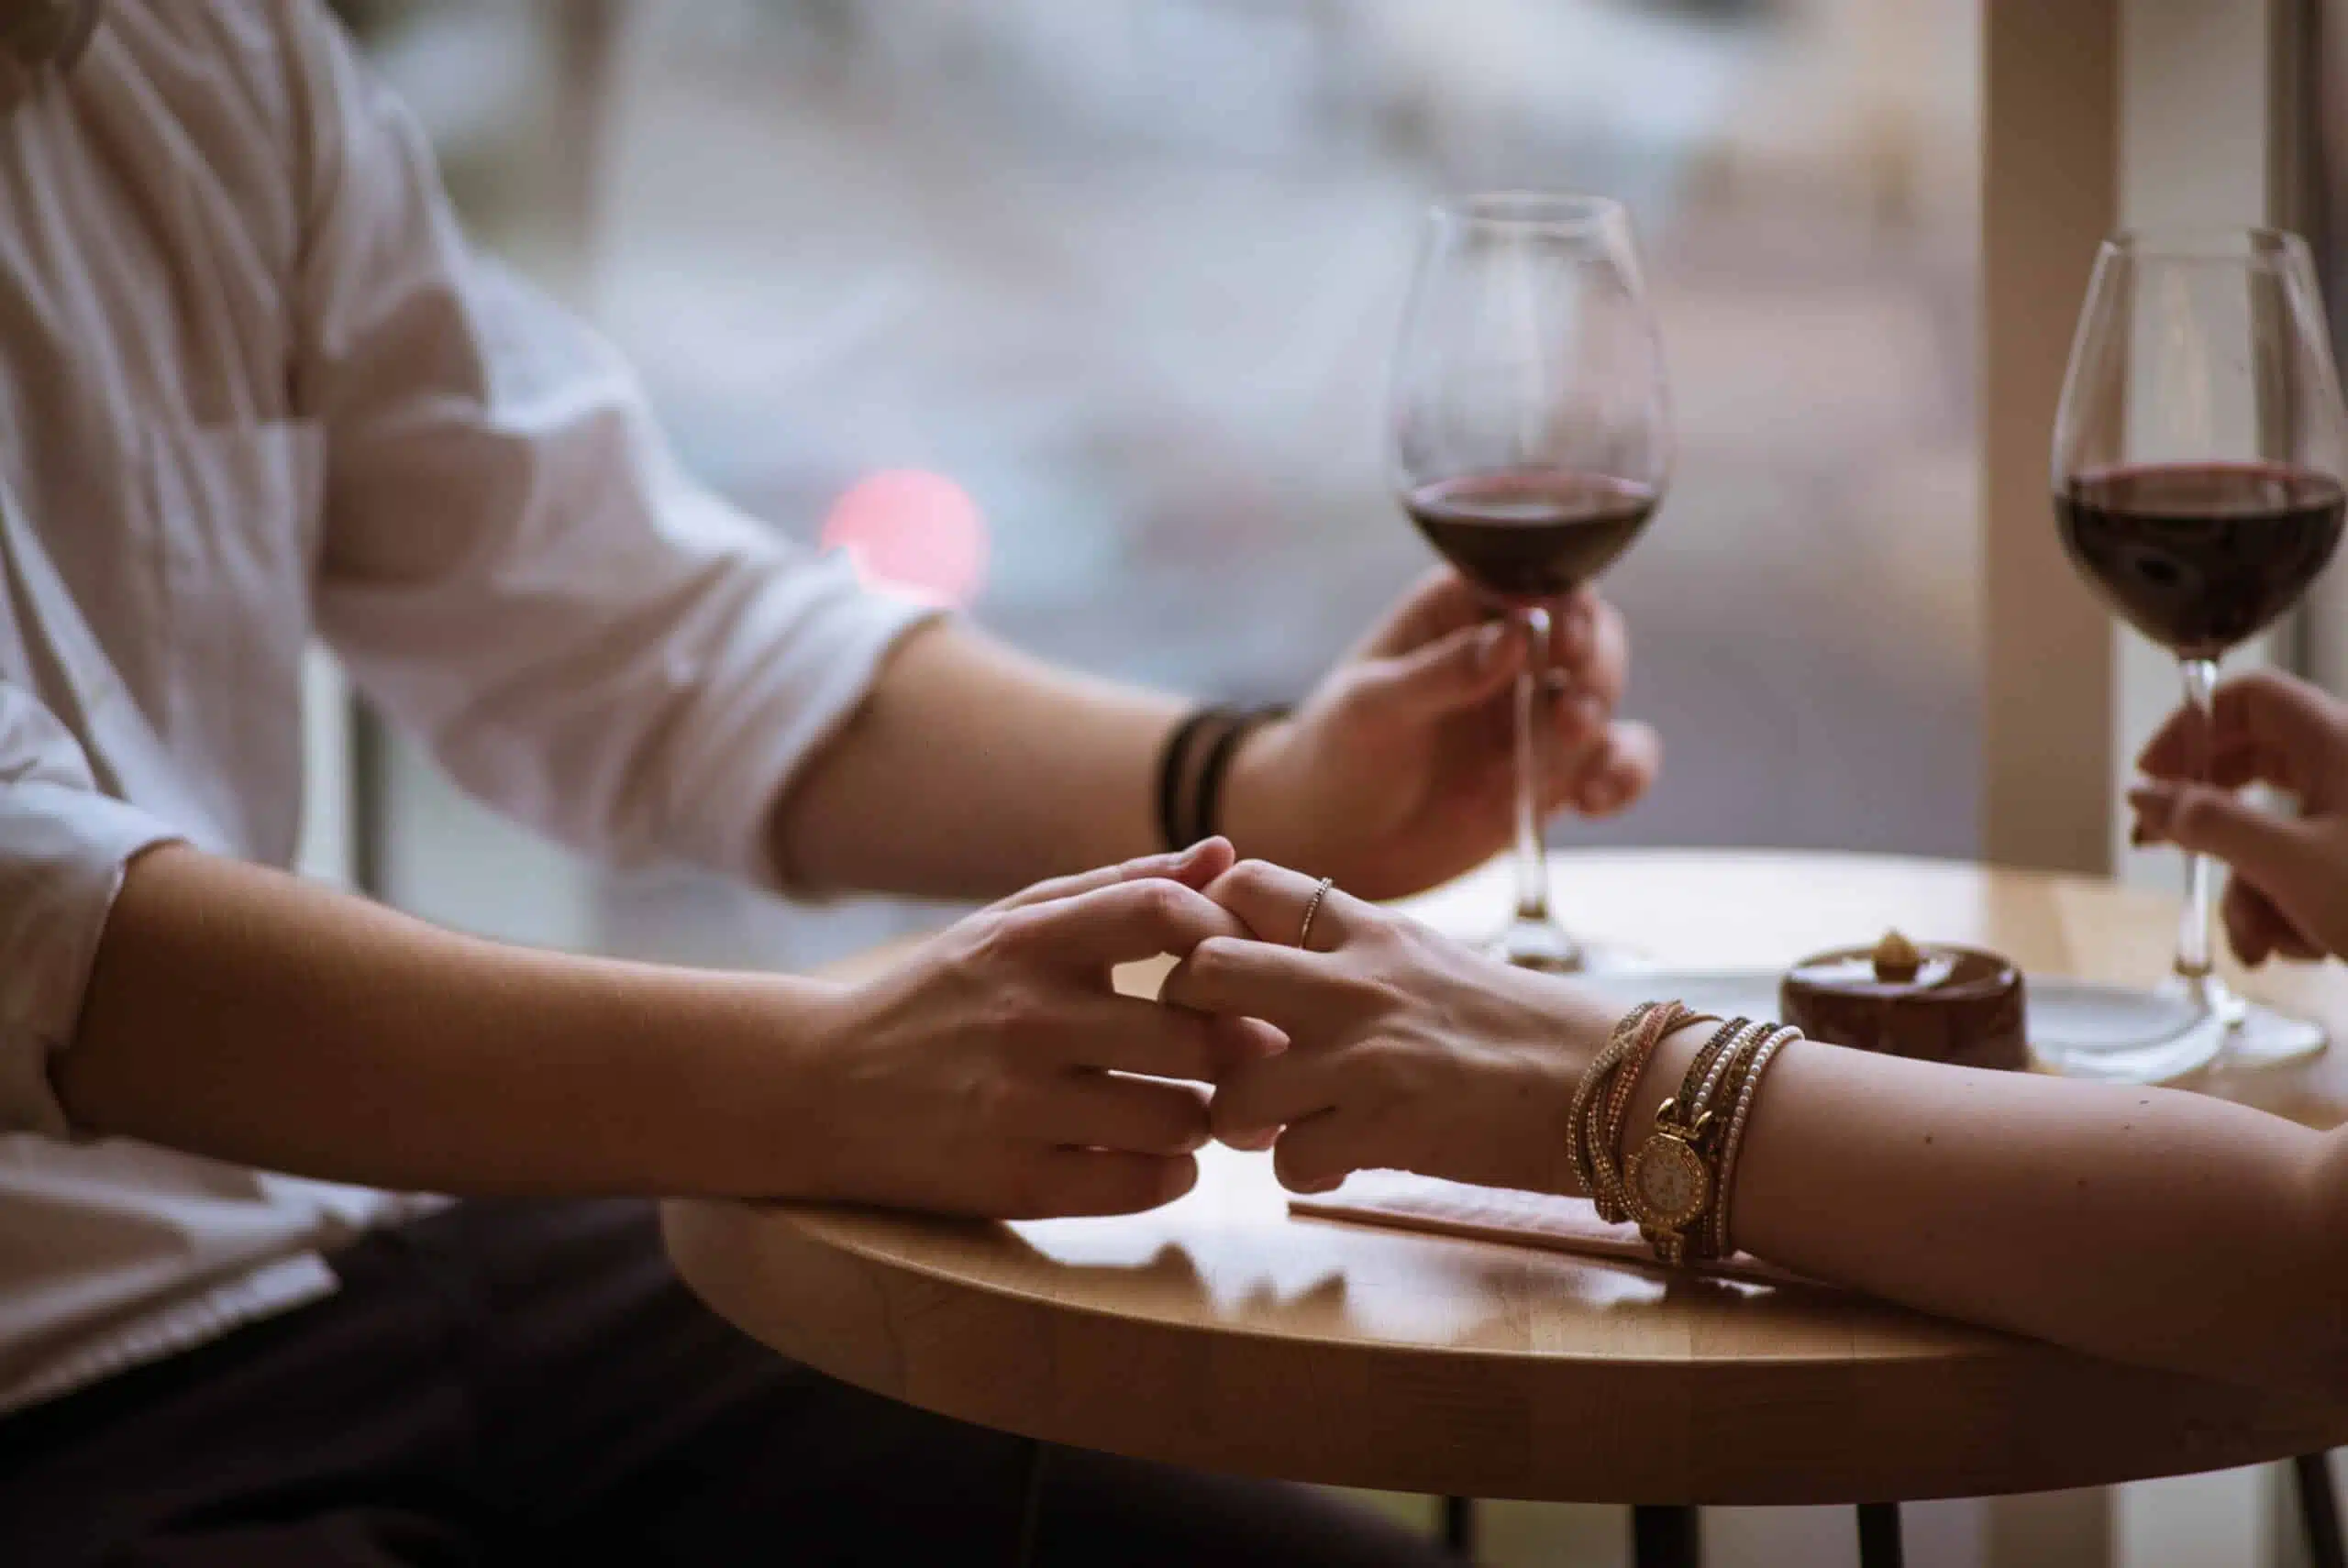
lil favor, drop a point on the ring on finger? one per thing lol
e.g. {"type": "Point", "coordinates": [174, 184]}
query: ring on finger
{"type": "Point", "coordinates": [1311, 907]}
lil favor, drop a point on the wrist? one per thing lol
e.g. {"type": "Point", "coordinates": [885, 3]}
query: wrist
{"type": "Point", "coordinates": [1661, 1080]}
{"type": "Point", "coordinates": [773, 1090]}
{"type": "Point", "coordinates": [1259, 808]}
{"type": "Point", "coordinates": [1572, 1027]}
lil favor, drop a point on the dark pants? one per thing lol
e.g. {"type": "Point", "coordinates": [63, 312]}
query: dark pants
{"type": "Point", "coordinates": [528, 1382]}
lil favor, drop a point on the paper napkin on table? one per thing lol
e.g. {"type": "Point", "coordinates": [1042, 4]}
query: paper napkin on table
{"type": "Point", "coordinates": [1498, 1214]}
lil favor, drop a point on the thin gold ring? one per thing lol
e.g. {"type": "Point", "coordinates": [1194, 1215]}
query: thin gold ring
{"type": "Point", "coordinates": [1311, 907]}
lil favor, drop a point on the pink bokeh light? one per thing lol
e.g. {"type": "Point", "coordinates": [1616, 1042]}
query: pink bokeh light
{"type": "Point", "coordinates": [913, 532]}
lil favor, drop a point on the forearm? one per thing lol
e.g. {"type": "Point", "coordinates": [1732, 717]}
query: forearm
{"type": "Point", "coordinates": [972, 770]}
{"type": "Point", "coordinates": [239, 1013]}
{"type": "Point", "coordinates": [2146, 1225]}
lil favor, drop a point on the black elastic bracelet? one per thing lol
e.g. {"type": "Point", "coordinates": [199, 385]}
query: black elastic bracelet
{"type": "Point", "coordinates": [1209, 796]}
{"type": "Point", "coordinates": [1173, 775]}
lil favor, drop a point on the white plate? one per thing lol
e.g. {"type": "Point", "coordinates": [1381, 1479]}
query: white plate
{"type": "Point", "coordinates": [2077, 1012]}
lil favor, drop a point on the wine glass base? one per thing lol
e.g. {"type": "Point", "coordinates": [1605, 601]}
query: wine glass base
{"type": "Point", "coordinates": [1546, 946]}
{"type": "Point", "coordinates": [2185, 1026]}
{"type": "Point", "coordinates": [2264, 1038]}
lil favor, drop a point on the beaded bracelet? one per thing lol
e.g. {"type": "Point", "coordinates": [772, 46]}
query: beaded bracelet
{"type": "Point", "coordinates": [1741, 1095]}
{"type": "Point", "coordinates": [1594, 1125]}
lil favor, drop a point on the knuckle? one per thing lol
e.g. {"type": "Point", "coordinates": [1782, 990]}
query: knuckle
{"type": "Point", "coordinates": [1160, 902]}
{"type": "Point", "coordinates": [1392, 940]}
{"type": "Point", "coordinates": [2193, 813]}
{"type": "Point", "coordinates": [994, 934]}
{"type": "Point", "coordinates": [1009, 1014]}
{"type": "Point", "coordinates": [1369, 988]}
{"type": "Point", "coordinates": [1214, 960]}
{"type": "Point", "coordinates": [1179, 1123]}
{"type": "Point", "coordinates": [1392, 1070]}
{"type": "Point", "coordinates": [1256, 876]}
{"type": "Point", "coordinates": [989, 1100]}
{"type": "Point", "coordinates": [1028, 1192]}
{"type": "Point", "coordinates": [1356, 686]}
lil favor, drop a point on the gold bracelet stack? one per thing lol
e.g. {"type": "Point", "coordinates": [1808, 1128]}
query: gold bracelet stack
{"type": "Point", "coordinates": [1679, 1182]}
{"type": "Point", "coordinates": [1594, 1126]}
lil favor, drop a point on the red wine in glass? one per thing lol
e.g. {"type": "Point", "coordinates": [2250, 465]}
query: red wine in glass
{"type": "Point", "coordinates": [1529, 438]}
{"type": "Point", "coordinates": [2198, 462]}
{"type": "Point", "coordinates": [2201, 556]}
{"type": "Point", "coordinates": [1530, 535]}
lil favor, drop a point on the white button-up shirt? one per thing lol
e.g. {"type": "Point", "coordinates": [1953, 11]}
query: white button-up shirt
{"type": "Point", "coordinates": [254, 389]}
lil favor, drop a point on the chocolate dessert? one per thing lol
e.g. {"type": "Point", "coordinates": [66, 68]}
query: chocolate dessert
{"type": "Point", "coordinates": [1935, 1004]}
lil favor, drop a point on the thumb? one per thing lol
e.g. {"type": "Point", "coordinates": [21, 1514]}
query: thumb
{"type": "Point", "coordinates": [2275, 851]}
{"type": "Point", "coordinates": [1458, 669]}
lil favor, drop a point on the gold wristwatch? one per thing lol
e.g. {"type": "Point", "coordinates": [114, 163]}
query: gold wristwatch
{"type": "Point", "coordinates": [1667, 1183]}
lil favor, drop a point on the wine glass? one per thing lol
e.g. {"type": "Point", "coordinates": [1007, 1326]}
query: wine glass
{"type": "Point", "coordinates": [1529, 441]}
{"type": "Point", "coordinates": [2198, 453]}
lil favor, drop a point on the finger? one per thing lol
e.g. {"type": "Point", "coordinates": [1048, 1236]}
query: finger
{"type": "Point", "coordinates": [1598, 662]}
{"type": "Point", "coordinates": [2275, 851]}
{"type": "Point", "coordinates": [1249, 1140]}
{"type": "Point", "coordinates": [2257, 930]}
{"type": "Point", "coordinates": [1573, 628]}
{"type": "Point", "coordinates": [1129, 1034]}
{"type": "Point", "coordinates": [1460, 670]}
{"type": "Point", "coordinates": [1097, 1110]}
{"type": "Point", "coordinates": [1194, 868]}
{"type": "Point", "coordinates": [1614, 776]}
{"type": "Point", "coordinates": [1271, 901]}
{"type": "Point", "coordinates": [1234, 1043]}
{"type": "Point", "coordinates": [1440, 602]}
{"type": "Point", "coordinates": [1262, 1098]}
{"type": "Point", "coordinates": [2249, 923]}
{"type": "Point", "coordinates": [1317, 1155]}
{"type": "Point", "coordinates": [2266, 726]}
{"type": "Point", "coordinates": [1055, 1182]}
{"type": "Point", "coordinates": [1578, 721]}
{"type": "Point", "coordinates": [1121, 923]}
{"type": "Point", "coordinates": [1299, 993]}
{"type": "Point", "coordinates": [1252, 1042]}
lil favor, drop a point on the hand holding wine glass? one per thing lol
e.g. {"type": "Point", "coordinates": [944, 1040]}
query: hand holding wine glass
{"type": "Point", "coordinates": [2287, 894]}
{"type": "Point", "coordinates": [1531, 442]}
{"type": "Point", "coordinates": [2198, 459]}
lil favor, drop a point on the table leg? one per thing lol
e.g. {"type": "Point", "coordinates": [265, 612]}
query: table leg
{"type": "Point", "coordinates": [1665, 1536]}
{"type": "Point", "coordinates": [1031, 1504]}
{"type": "Point", "coordinates": [2319, 1510]}
{"type": "Point", "coordinates": [1459, 1528]}
{"type": "Point", "coordinates": [1879, 1544]}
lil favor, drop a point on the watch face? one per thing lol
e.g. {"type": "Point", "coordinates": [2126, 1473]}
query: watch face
{"type": "Point", "coordinates": [1670, 1182]}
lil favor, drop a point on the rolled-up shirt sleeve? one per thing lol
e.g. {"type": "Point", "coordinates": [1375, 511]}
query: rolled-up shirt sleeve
{"type": "Point", "coordinates": [514, 565]}
{"type": "Point", "coordinates": [63, 849]}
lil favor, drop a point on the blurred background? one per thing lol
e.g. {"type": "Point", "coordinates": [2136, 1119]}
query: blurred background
{"type": "Point", "coordinates": [1112, 285]}
{"type": "Point", "coordinates": [1107, 288]}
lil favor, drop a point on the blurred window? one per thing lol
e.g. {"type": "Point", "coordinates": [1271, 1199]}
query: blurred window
{"type": "Point", "coordinates": [1091, 303]}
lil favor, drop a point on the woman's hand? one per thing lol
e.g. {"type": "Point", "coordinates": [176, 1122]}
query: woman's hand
{"type": "Point", "coordinates": [985, 1074]}
{"type": "Point", "coordinates": [2288, 893]}
{"type": "Point", "coordinates": [1405, 1050]}
{"type": "Point", "coordinates": [1398, 772]}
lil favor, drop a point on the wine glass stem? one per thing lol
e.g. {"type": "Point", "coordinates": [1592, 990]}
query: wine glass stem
{"type": "Point", "coordinates": [2194, 927]}
{"type": "Point", "coordinates": [1531, 622]}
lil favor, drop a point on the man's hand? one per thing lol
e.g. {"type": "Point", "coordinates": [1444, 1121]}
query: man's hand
{"type": "Point", "coordinates": [2288, 893]}
{"type": "Point", "coordinates": [1398, 771]}
{"type": "Point", "coordinates": [988, 1074]}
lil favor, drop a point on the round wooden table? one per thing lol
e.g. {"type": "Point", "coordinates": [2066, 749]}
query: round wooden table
{"type": "Point", "coordinates": [1221, 1333]}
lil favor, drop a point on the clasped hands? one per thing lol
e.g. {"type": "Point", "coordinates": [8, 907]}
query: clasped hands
{"type": "Point", "coordinates": [997, 1072]}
